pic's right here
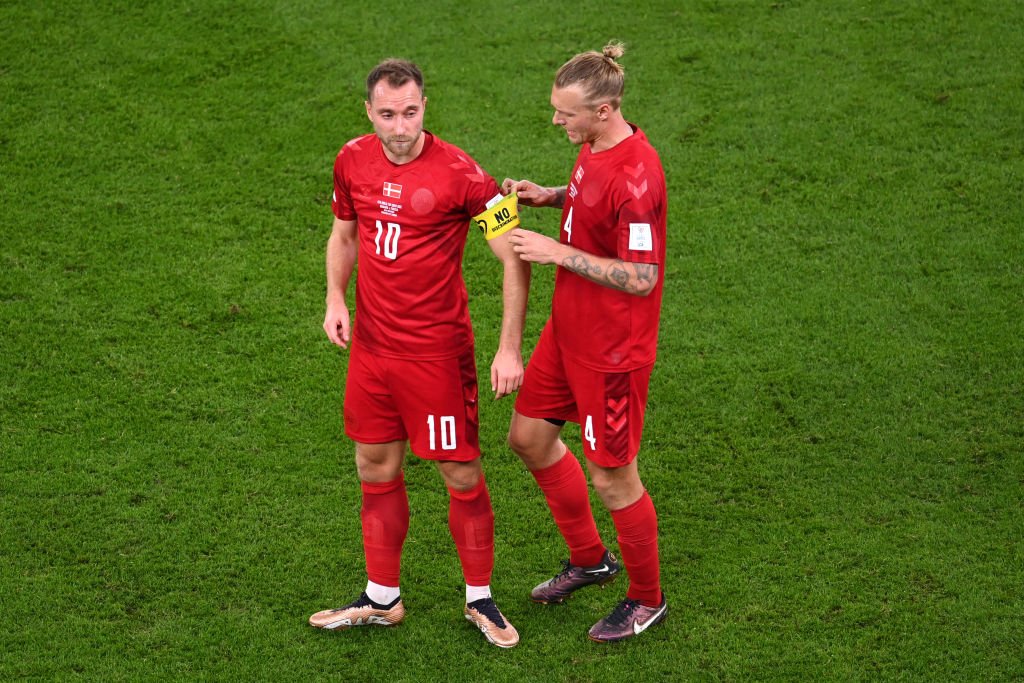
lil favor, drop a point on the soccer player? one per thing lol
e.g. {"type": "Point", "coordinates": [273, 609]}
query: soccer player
{"type": "Point", "coordinates": [594, 357]}
{"type": "Point", "coordinates": [403, 200]}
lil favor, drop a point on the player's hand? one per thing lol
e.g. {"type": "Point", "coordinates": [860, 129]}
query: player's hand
{"type": "Point", "coordinates": [337, 324]}
{"type": "Point", "coordinates": [506, 373]}
{"type": "Point", "coordinates": [529, 193]}
{"type": "Point", "coordinates": [534, 247]}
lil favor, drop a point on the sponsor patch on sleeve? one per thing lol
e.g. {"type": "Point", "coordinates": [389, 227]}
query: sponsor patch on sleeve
{"type": "Point", "coordinates": [640, 237]}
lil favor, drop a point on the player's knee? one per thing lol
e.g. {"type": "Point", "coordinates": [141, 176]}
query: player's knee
{"type": "Point", "coordinates": [517, 440]}
{"type": "Point", "coordinates": [374, 472]}
{"type": "Point", "coordinates": [461, 476]}
{"type": "Point", "coordinates": [616, 487]}
{"type": "Point", "coordinates": [604, 483]}
{"type": "Point", "coordinates": [530, 450]}
{"type": "Point", "coordinates": [377, 470]}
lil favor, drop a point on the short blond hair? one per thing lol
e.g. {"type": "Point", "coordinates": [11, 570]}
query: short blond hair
{"type": "Point", "coordinates": [598, 74]}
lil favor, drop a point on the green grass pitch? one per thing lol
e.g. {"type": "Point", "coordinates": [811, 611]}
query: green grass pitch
{"type": "Point", "coordinates": [836, 422]}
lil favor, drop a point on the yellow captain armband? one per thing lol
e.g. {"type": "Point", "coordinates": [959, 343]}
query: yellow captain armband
{"type": "Point", "coordinates": [501, 215]}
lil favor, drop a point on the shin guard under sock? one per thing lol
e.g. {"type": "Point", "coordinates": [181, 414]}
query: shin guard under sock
{"type": "Point", "coordinates": [565, 489]}
{"type": "Point", "coordinates": [471, 522]}
{"type": "Point", "coordinates": [385, 520]}
{"type": "Point", "coordinates": [637, 527]}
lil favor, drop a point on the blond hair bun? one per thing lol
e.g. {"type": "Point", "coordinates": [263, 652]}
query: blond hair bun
{"type": "Point", "coordinates": [614, 50]}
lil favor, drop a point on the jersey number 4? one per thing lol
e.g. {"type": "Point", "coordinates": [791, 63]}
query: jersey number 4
{"type": "Point", "coordinates": [393, 232]}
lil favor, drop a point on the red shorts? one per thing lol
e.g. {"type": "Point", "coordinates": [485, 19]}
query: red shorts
{"type": "Point", "coordinates": [608, 406]}
{"type": "Point", "coordinates": [432, 404]}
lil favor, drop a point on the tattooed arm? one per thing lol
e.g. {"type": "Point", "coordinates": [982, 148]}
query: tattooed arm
{"type": "Point", "coordinates": [625, 276]}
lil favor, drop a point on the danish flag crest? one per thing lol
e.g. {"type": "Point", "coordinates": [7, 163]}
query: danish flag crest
{"type": "Point", "coordinates": [392, 190]}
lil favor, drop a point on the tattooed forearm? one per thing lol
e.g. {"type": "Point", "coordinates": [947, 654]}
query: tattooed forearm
{"type": "Point", "coordinates": [559, 200]}
{"type": "Point", "coordinates": [646, 276]}
{"type": "Point", "coordinates": [581, 265]}
{"type": "Point", "coordinates": [633, 278]}
{"type": "Point", "coordinates": [618, 277]}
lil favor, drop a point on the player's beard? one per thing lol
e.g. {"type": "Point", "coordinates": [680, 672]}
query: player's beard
{"type": "Point", "coordinates": [401, 146]}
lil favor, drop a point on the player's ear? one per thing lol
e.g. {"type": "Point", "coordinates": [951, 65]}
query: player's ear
{"type": "Point", "coordinates": [367, 103]}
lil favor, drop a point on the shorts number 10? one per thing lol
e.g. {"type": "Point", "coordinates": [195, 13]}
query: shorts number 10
{"type": "Point", "coordinates": [447, 432]}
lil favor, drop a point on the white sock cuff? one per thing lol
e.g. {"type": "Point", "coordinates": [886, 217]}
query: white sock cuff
{"type": "Point", "coordinates": [474, 593]}
{"type": "Point", "coordinates": [382, 595]}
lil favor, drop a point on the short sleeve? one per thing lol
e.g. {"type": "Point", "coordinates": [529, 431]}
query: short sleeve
{"type": "Point", "coordinates": [641, 214]}
{"type": "Point", "coordinates": [479, 186]}
{"type": "Point", "coordinates": [341, 199]}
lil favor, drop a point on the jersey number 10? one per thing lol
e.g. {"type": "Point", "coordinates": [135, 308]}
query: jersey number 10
{"type": "Point", "coordinates": [394, 230]}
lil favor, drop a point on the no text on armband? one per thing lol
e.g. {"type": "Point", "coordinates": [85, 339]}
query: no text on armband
{"type": "Point", "coordinates": [504, 215]}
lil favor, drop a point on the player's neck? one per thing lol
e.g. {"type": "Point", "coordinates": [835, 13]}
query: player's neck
{"type": "Point", "coordinates": [612, 133]}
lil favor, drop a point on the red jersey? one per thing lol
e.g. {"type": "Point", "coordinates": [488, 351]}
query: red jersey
{"type": "Point", "coordinates": [412, 218]}
{"type": "Point", "coordinates": [615, 206]}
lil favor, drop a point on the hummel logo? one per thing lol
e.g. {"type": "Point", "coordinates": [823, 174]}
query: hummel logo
{"type": "Point", "coordinates": [600, 570]}
{"type": "Point", "coordinates": [640, 627]}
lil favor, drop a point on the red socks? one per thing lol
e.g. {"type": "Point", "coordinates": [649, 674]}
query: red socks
{"type": "Point", "coordinates": [471, 521]}
{"type": "Point", "coordinates": [385, 518]}
{"type": "Point", "coordinates": [637, 527]}
{"type": "Point", "coordinates": [565, 488]}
